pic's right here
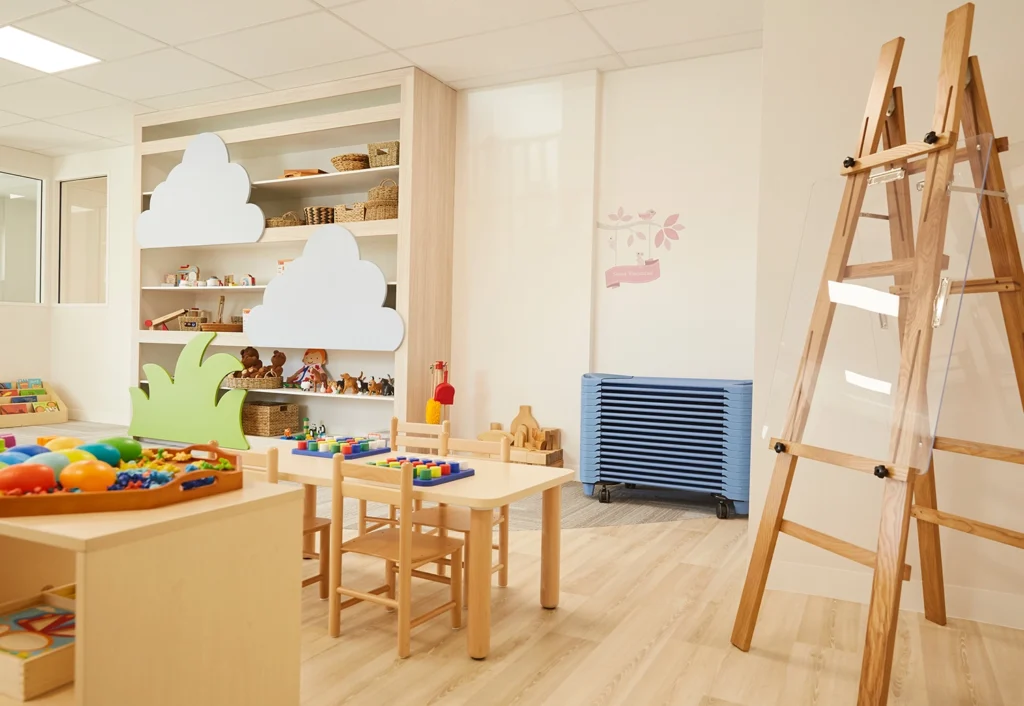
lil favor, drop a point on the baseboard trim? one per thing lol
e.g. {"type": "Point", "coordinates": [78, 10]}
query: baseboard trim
{"type": "Point", "coordinates": [978, 604]}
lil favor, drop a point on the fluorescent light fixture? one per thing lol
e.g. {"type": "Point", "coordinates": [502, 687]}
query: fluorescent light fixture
{"type": "Point", "coordinates": [869, 383]}
{"type": "Point", "coordinates": [864, 298]}
{"type": "Point", "coordinates": [38, 53]}
{"type": "Point", "coordinates": [16, 196]}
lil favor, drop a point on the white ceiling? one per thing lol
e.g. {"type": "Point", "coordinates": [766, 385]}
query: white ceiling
{"type": "Point", "coordinates": [161, 54]}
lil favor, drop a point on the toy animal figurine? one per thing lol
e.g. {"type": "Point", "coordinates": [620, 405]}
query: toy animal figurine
{"type": "Point", "coordinates": [306, 385]}
{"type": "Point", "coordinates": [364, 386]}
{"type": "Point", "coordinates": [387, 386]}
{"type": "Point", "coordinates": [251, 362]}
{"type": "Point", "coordinates": [374, 386]}
{"type": "Point", "coordinates": [350, 383]}
{"type": "Point", "coordinates": [277, 364]}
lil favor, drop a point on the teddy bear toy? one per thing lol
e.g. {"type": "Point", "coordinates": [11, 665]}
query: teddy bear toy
{"type": "Point", "coordinates": [251, 363]}
{"type": "Point", "coordinates": [277, 364]}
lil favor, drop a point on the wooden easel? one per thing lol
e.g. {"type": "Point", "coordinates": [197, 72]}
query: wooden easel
{"type": "Point", "coordinates": [916, 269]}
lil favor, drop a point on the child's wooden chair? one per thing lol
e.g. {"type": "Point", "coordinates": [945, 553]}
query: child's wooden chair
{"type": "Point", "coordinates": [408, 435]}
{"type": "Point", "coordinates": [267, 463]}
{"type": "Point", "coordinates": [456, 519]}
{"type": "Point", "coordinates": [402, 550]}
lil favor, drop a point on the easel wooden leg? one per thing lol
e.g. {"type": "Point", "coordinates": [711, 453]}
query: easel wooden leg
{"type": "Point", "coordinates": [764, 549]}
{"type": "Point", "coordinates": [932, 581]}
{"type": "Point", "coordinates": [884, 610]}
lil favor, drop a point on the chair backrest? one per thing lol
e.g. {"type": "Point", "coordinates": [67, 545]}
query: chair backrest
{"type": "Point", "coordinates": [413, 435]}
{"type": "Point", "coordinates": [502, 449]}
{"type": "Point", "coordinates": [265, 462]}
{"type": "Point", "coordinates": [393, 486]}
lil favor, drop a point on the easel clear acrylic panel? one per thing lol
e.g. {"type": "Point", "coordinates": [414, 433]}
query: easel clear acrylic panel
{"type": "Point", "coordinates": [853, 405]}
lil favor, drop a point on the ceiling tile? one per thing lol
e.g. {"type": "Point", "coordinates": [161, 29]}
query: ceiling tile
{"type": "Point", "coordinates": [93, 145]}
{"type": "Point", "coordinates": [703, 47]}
{"type": "Point", "coordinates": [11, 119]}
{"type": "Point", "coordinates": [601, 63]}
{"type": "Point", "coordinates": [115, 121]}
{"type": "Point", "coordinates": [88, 33]}
{"type": "Point", "coordinates": [288, 45]}
{"type": "Point", "coordinates": [13, 10]}
{"type": "Point", "coordinates": [239, 89]}
{"type": "Point", "coordinates": [337, 71]}
{"type": "Point", "coordinates": [400, 24]}
{"type": "Point", "coordinates": [177, 21]}
{"type": "Point", "coordinates": [592, 4]}
{"type": "Point", "coordinates": [15, 73]}
{"type": "Point", "coordinates": [39, 135]}
{"type": "Point", "coordinates": [50, 96]}
{"type": "Point", "coordinates": [158, 73]}
{"type": "Point", "coordinates": [656, 23]}
{"type": "Point", "coordinates": [555, 41]}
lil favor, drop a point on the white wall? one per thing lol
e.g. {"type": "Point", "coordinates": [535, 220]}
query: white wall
{"type": "Point", "coordinates": [26, 354]}
{"type": "Point", "coordinates": [681, 138]}
{"type": "Point", "coordinates": [818, 63]}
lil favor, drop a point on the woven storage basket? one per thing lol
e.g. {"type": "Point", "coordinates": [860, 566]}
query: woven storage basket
{"type": "Point", "coordinates": [381, 210]}
{"type": "Point", "coordinates": [383, 154]}
{"type": "Point", "coordinates": [349, 214]}
{"type": "Point", "coordinates": [350, 162]}
{"type": "Point", "coordinates": [192, 323]}
{"type": "Point", "coordinates": [268, 418]}
{"type": "Point", "coordinates": [318, 215]}
{"type": "Point", "coordinates": [289, 219]}
{"type": "Point", "coordinates": [252, 383]}
{"type": "Point", "coordinates": [384, 192]}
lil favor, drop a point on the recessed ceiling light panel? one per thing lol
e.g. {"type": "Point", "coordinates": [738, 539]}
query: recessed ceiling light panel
{"type": "Point", "coordinates": [38, 53]}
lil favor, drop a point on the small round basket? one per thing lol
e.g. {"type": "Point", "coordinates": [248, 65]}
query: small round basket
{"type": "Point", "coordinates": [289, 219]}
{"type": "Point", "coordinates": [381, 210]}
{"type": "Point", "coordinates": [350, 162]}
{"type": "Point", "coordinates": [387, 191]}
{"type": "Point", "coordinates": [252, 383]}
{"type": "Point", "coordinates": [319, 215]}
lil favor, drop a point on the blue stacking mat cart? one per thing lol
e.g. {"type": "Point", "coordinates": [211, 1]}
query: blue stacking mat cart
{"type": "Point", "coordinates": [672, 433]}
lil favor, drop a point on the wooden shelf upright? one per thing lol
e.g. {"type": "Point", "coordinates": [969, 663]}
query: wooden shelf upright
{"type": "Point", "coordinates": [908, 470]}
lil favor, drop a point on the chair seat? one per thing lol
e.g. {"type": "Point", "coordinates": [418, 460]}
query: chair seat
{"type": "Point", "coordinates": [452, 517]}
{"type": "Point", "coordinates": [314, 524]}
{"type": "Point", "coordinates": [384, 545]}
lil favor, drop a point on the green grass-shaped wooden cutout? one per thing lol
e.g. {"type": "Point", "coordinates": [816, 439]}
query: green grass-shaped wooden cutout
{"type": "Point", "coordinates": [185, 408]}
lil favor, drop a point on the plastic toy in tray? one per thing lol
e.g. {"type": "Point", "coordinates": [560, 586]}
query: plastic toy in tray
{"type": "Point", "coordinates": [352, 447]}
{"type": "Point", "coordinates": [428, 471]}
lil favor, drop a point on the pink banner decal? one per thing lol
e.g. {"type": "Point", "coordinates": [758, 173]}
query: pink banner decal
{"type": "Point", "coordinates": [632, 274]}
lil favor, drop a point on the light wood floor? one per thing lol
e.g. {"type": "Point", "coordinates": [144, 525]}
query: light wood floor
{"type": "Point", "coordinates": [645, 617]}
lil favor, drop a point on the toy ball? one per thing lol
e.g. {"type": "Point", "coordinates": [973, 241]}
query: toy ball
{"type": "Point", "coordinates": [13, 457]}
{"type": "Point", "coordinates": [55, 460]}
{"type": "Point", "coordinates": [74, 455]}
{"type": "Point", "coordinates": [128, 447]}
{"type": "Point", "coordinates": [88, 476]}
{"type": "Point", "coordinates": [63, 442]}
{"type": "Point", "coordinates": [29, 449]}
{"type": "Point", "coordinates": [103, 452]}
{"type": "Point", "coordinates": [26, 477]}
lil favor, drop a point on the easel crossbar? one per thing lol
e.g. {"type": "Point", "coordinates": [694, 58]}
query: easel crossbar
{"type": "Point", "coordinates": [1001, 144]}
{"type": "Point", "coordinates": [845, 549]}
{"type": "Point", "coordinates": [973, 448]}
{"type": "Point", "coordinates": [838, 458]}
{"type": "Point", "coordinates": [969, 286]}
{"type": "Point", "coordinates": [962, 524]}
{"type": "Point", "coordinates": [899, 153]}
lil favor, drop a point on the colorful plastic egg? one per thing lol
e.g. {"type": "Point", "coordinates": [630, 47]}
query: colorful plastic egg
{"type": "Point", "coordinates": [26, 477]}
{"type": "Point", "coordinates": [29, 449]}
{"type": "Point", "coordinates": [103, 452]}
{"type": "Point", "coordinates": [128, 447]}
{"type": "Point", "coordinates": [56, 460]}
{"type": "Point", "coordinates": [76, 455]}
{"type": "Point", "coordinates": [12, 457]}
{"type": "Point", "coordinates": [88, 476]}
{"type": "Point", "coordinates": [63, 442]}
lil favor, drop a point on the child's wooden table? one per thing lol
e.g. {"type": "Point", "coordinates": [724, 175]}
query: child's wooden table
{"type": "Point", "coordinates": [196, 603]}
{"type": "Point", "coordinates": [494, 485]}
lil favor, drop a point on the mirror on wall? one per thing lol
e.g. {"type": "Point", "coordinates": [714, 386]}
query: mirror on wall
{"type": "Point", "coordinates": [83, 241]}
{"type": "Point", "coordinates": [20, 238]}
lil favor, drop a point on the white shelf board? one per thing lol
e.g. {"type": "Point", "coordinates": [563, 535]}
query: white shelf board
{"type": "Point", "coordinates": [239, 290]}
{"type": "Point", "coordinates": [354, 182]}
{"type": "Point", "coordinates": [302, 393]}
{"type": "Point", "coordinates": [182, 337]}
{"type": "Point", "coordinates": [360, 229]}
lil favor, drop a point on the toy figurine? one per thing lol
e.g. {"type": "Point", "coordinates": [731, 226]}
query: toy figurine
{"type": "Point", "coordinates": [312, 370]}
{"type": "Point", "coordinates": [387, 386]}
{"type": "Point", "coordinates": [374, 386]}
{"type": "Point", "coordinates": [350, 383]}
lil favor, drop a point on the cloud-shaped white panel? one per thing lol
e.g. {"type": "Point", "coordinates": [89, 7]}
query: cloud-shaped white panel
{"type": "Point", "coordinates": [328, 298]}
{"type": "Point", "coordinates": [205, 201]}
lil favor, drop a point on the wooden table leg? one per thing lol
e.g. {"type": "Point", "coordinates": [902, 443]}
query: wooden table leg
{"type": "Point", "coordinates": [478, 638]}
{"type": "Point", "coordinates": [308, 513]}
{"type": "Point", "coordinates": [551, 547]}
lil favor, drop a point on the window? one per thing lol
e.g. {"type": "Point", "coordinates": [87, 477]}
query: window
{"type": "Point", "coordinates": [20, 238]}
{"type": "Point", "coordinates": [83, 242]}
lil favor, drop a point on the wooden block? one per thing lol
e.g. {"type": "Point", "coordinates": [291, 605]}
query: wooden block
{"type": "Point", "coordinates": [288, 173]}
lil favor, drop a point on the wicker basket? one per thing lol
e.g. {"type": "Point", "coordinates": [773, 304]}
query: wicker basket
{"type": "Point", "coordinates": [252, 383]}
{"type": "Point", "coordinates": [269, 418]}
{"type": "Point", "coordinates": [349, 214]}
{"type": "Point", "coordinates": [350, 162]}
{"type": "Point", "coordinates": [289, 219]}
{"type": "Point", "coordinates": [222, 328]}
{"type": "Point", "coordinates": [319, 215]}
{"type": "Point", "coordinates": [192, 322]}
{"type": "Point", "coordinates": [381, 210]}
{"type": "Point", "coordinates": [384, 192]}
{"type": "Point", "coordinates": [383, 154]}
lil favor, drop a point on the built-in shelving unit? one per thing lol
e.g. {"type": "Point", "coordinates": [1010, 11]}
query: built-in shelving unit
{"type": "Point", "coordinates": [303, 129]}
{"type": "Point", "coordinates": [291, 391]}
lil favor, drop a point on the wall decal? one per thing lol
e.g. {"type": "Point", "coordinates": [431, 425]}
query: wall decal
{"type": "Point", "coordinates": [633, 262]}
{"type": "Point", "coordinates": [204, 201]}
{"type": "Point", "coordinates": [327, 298]}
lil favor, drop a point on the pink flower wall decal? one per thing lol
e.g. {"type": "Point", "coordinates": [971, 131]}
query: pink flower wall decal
{"type": "Point", "coordinates": [646, 267]}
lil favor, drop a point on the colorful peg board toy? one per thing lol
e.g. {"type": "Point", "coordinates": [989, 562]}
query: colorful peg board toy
{"type": "Point", "coordinates": [427, 471]}
{"type": "Point", "coordinates": [351, 447]}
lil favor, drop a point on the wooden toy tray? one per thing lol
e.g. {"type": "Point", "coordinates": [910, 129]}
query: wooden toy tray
{"type": "Point", "coordinates": [136, 499]}
{"type": "Point", "coordinates": [464, 473]}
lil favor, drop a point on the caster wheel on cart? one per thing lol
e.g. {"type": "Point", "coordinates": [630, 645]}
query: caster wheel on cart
{"type": "Point", "coordinates": [605, 496]}
{"type": "Point", "coordinates": [722, 512]}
